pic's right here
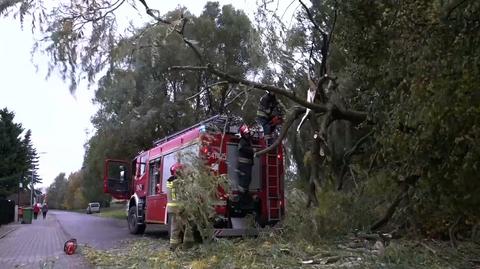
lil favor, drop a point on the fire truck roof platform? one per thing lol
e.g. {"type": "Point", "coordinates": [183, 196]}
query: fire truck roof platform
{"type": "Point", "coordinates": [222, 123]}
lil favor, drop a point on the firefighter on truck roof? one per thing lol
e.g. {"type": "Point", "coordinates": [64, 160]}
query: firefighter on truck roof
{"type": "Point", "coordinates": [180, 230]}
{"type": "Point", "coordinates": [245, 163]}
{"type": "Point", "coordinates": [269, 115]}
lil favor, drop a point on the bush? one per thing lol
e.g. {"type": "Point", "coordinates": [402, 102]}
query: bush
{"type": "Point", "coordinates": [198, 189]}
{"type": "Point", "coordinates": [338, 213]}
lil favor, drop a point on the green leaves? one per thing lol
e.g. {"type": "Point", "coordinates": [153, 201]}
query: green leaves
{"type": "Point", "coordinates": [422, 91]}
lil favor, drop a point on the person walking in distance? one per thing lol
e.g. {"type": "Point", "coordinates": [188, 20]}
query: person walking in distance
{"type": "Point", "coordinates": [36, 209]}
{"type": "Point", "coordinates": [44, 210]}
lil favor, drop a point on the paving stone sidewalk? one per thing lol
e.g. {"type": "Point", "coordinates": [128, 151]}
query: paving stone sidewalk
{"type": "Point", "coordinates": [36, 245]}
{"type": "Point", "coordinates": [6, 229]}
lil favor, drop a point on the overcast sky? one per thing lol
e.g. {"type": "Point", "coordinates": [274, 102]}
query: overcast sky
{"type": "Point", "coordinates": [59, 120]}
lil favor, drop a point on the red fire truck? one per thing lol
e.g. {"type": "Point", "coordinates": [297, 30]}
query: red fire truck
{"type": "Point", "coordinates": [143, 181]}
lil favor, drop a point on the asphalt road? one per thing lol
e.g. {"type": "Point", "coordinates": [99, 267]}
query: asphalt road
{"type": "Point", "coordinates": [100, 232]}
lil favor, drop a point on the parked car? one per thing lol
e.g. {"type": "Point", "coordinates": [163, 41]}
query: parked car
{"type": "Point", "coordinates": [93, 208]}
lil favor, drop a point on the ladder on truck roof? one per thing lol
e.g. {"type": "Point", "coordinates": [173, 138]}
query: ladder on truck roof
{"type": "Point", "coordinates": [220, 122]}
{"type": "Point", "coordinates": [273, 186]}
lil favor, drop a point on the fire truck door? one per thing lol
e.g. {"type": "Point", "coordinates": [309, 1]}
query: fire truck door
{"type": "Point", "coordinates": [116, 179]}
{"type": "Point", "coordinates": [156, 198]}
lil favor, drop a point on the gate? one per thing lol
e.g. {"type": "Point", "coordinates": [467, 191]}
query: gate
{"type": "Point", "coordinates": [7, 211]}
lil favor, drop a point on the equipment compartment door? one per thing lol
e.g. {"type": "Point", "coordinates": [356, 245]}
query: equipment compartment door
{"type": "Point", "coordinates": [156, 198]}
{"type": "Point", "coordinates": [156, 208]}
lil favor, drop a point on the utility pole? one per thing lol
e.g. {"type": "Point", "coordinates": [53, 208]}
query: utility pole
{"type": "Point", "coordinates": [18, 195]}
{"type": "Point", "coordinates": [32, 188]}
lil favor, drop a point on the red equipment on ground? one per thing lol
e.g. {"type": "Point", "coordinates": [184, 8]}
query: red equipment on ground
{"type": "Point", "coordinates": [143, 181]}
{"type": "Point", "coordinates": [70, 246]}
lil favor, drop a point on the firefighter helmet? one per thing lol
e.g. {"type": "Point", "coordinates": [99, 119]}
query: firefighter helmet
{"type": "Point", "coordinates": [174, 169]}
{"type": "Point", "coordinates": [244, 130]}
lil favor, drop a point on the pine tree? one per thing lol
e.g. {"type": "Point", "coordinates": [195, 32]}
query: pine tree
{"type": "Point", "coordinates": [13, 154]}
{"type": "Point", "coordinates": [32, 160]}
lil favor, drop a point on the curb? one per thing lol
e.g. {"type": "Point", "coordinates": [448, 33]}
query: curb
{"type": "Point", "coordinates": [2, 235]}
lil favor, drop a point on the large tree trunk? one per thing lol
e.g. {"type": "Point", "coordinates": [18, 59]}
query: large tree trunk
{"type": "Point", "coordinates": [314, 179]}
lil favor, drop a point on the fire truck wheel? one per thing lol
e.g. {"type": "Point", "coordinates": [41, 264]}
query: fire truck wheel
{"type": "Point", "coordinates": [133, 225]}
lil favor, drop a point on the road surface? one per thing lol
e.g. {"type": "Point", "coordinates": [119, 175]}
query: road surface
{"type": "Point", "coordinates": [40, 244]}
{"type": "Point", "coordinates": [100, 232]}
{"type": "Point", "coordinates": [95, 231]}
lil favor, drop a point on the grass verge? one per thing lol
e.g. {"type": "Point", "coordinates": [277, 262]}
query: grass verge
{"type": "Point", "coordinates": [274, 251]}
{"type": "Point", "coordinates": [115, 213]}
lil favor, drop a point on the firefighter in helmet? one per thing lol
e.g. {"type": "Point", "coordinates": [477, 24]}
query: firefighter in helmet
{"type": "Point", "coordinates": [245, 162]}
{"type": "Point", "coordinates": [269, 114]}
{"type": "Point", "coordinates": [180, 228]}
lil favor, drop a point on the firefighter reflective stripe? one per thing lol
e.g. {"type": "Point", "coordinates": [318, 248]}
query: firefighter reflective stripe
{"type": "Point", "coordinates": [172, 192]}
{"type": "Point", "coordinates": [241, 189]}
{"type": "Point", "coordinates": [244, 160]}
{"type": "Point", "coordinates": [261, 113]}
{"type": "Point", "coordinates": [175, 241]}
{"type": "Point", "coordinates": [220, 203]}
{"type": "Point", "coordinates": [173, 204]}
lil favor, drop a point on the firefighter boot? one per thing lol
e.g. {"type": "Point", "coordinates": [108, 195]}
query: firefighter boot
{"type": "Point", "coordinates": [175, 233]}
{"type": "Point", "coordinates": [188, 238]}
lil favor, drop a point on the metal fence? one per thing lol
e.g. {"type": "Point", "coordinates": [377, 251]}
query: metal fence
{"type": "Point", "coordinates": [7, 211]}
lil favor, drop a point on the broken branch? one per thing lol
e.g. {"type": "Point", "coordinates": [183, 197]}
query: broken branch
{"type": "Point", "coordinates": [151, 13]}
{"type": "Point", "coordinates": [236, 97]}
{"type": "Point", "coordinates": [337, 113]}
{"type": "Point", "coordinates": [390, 211]}
{"type": "Point", "coordinates": [157, 17]}
{"type": "Point", "coordinates": [359, 142]}
{"type": "Point", "coordinates": [409, 181]}
{"type": "Point", "coordinates": [189, 68]}
{"type": "Point", "coordinates": [192, 46]}
{"type": "Point", "coordinates": [350, 115]}
{"type": "Point", "coordinates": [206, 88]}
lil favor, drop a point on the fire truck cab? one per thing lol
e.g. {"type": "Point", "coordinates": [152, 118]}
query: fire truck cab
{"type": "Point", "coordinates": [143, 180]}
